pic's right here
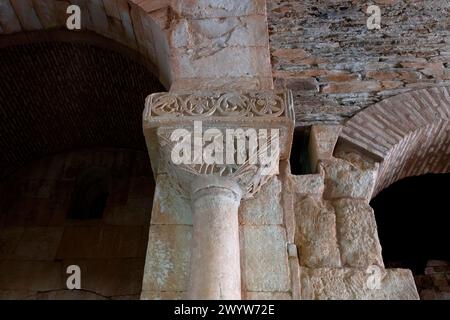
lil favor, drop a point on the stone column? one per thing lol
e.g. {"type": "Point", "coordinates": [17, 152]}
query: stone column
{"type": "Point", "coordinates": [215, 271]}
{"type": "Point", "coordinates": [216, 189]}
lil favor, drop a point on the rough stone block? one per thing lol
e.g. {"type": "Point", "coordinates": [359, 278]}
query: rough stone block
{"type": "Point", "coordinates": [169, 205]}
{"type": "Point", "coordinates": [158, 295]}
{"type": "Point", "coordinates": [216, 33]}
{"type": "Point", "coordinates": [315, 236]}
{"type": "Point", "coordinates": [345, 180]}
{"type": "Point", "coordinates": [168, 256]}
{"type": "Point", "coordinates": [219, 9]}
{"type": "Point", "coordinates": [268, 296]}
{"type": "Point", "coordinates": [349, 283]}
{"type": "Point", "coordinates": [265, 260]}
{"type": "Point", "coordinates": [265, 208]}
{"type": "Point", "coordinates": [308, 184]}
{"type": "Point", "coordinates": [322, 142]}
{"type": "Point", "coordinates": [357, 233]}
{"type": "Point", "coordinates": [253, 61]}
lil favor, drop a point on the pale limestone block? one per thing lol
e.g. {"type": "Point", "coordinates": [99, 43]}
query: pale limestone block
{"type": "Point", "coordinates": [169, 205]}
{"type": "Point", "coordinates": [220, 84]}
{"type": "Point", "coordinates": [168, 255]}
{"type": "Point", "coordinates": [214, 34]}
{"type": "Point", "coordinates": [8, 19]}
{"type": "Point", "coordinates": [315, 236]}
{"type": "Point", "coordinates": [322, 141]}
{"type": "Point", "coordinates": [265, 208]}
{"type": "Point", "coordinates": [220, 8]}
{"type": "Point", "coordinates": [191, 63]}
{"type": "Point", "coordinates": [40, 243]}
{"type": "Point", "coordinates": [265, 259]}
{"type": "Point", "coordinates": [357, 233]}
{"type": "Point", "coordinates": [166, 295]}
{"type": "Point", "coordinates": [351, 283]}
{"type": "Point", "coordinates": [268, 296]}
{"type": "Point", "coordinates": [346, 180]}
{"type": "Point", "coordinates": [308, 184]}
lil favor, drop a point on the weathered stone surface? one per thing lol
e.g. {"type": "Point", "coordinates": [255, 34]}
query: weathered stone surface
{"type": "Point", "coordinates": [268, 296]}
{"type": "Point", "coordinates": [344, 179]}
{"type": "Point", "coordinates": [67, 295]}
{"type": "Point", "coordinates": [315, 235]}
{"type": "Point", "coordinates": [349, 283]}
{"type": "Point", "coordinates": [357, 233]}
{"type": "Point", "coordinates": [308, 184]}
{"type": "Point", "coordinates": [219, 9]}
{"type": "Point", "coordinates": [307, 40]}
{"type": "Point", "coordinates": [168, 255]}
{"type": "Point", "coordinates": [209, 35]}
{"type": "Point", "coordinates": [265, 261]}
{"type": "Point", "coordinates": [254, 61]}
{"type": "Point", "coordinates": [265, 208]}
{"type": "Point", "coordinates": [162, 295]}
{"type": "Point", "coordinates": [322, 141]}
{"type": "Point", "coordinates": [170, 206]}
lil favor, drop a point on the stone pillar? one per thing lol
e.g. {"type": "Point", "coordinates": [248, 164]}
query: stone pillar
{"type": "Point", "coordinates": [216, 189]}
{"type": "Point", "coordinates": [215, 271]}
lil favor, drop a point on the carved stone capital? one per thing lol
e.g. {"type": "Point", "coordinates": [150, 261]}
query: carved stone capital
{"type": "Point", "coordinates": [252, 131]}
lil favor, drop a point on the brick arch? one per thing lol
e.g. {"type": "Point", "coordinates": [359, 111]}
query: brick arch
{"type": "Point", "coordinates": [409, 134]}
{"type": "Point", "coordinates": [141, 25]}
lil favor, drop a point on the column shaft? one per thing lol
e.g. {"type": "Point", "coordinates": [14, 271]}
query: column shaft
{"type": "Point", "coordinates": [215, 271]}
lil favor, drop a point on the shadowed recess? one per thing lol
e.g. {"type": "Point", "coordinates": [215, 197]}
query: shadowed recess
{"type": "Point", "coordinates": [58, 96]}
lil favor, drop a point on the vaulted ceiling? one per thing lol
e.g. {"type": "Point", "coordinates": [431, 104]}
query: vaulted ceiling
{"type": "Point", "coordinates": [57, 96]}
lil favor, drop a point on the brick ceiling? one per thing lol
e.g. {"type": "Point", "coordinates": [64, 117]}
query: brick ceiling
{"type": "Point", "coordinates": [57, 96]}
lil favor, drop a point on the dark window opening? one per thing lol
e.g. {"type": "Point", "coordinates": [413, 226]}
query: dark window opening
{"type": "Point", "coordinates": [413, 220]}
{"type": "Point", "coordinates": [299, 159]}
{"type": "Point", "coordinates": [90, 194]}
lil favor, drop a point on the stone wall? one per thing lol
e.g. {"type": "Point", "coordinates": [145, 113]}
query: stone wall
{"type": "Point", "coordinates": [335, 229]}
{"type": "Point", "coordinates": [38, 241]}
{"type": "Point", "coordinates": [264, 251]}
{"type": "Point", "coordinates": [336, 66]}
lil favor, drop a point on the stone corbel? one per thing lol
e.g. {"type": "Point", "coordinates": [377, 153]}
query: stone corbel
{"type": "Point", "coordinates": [216, 188]}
